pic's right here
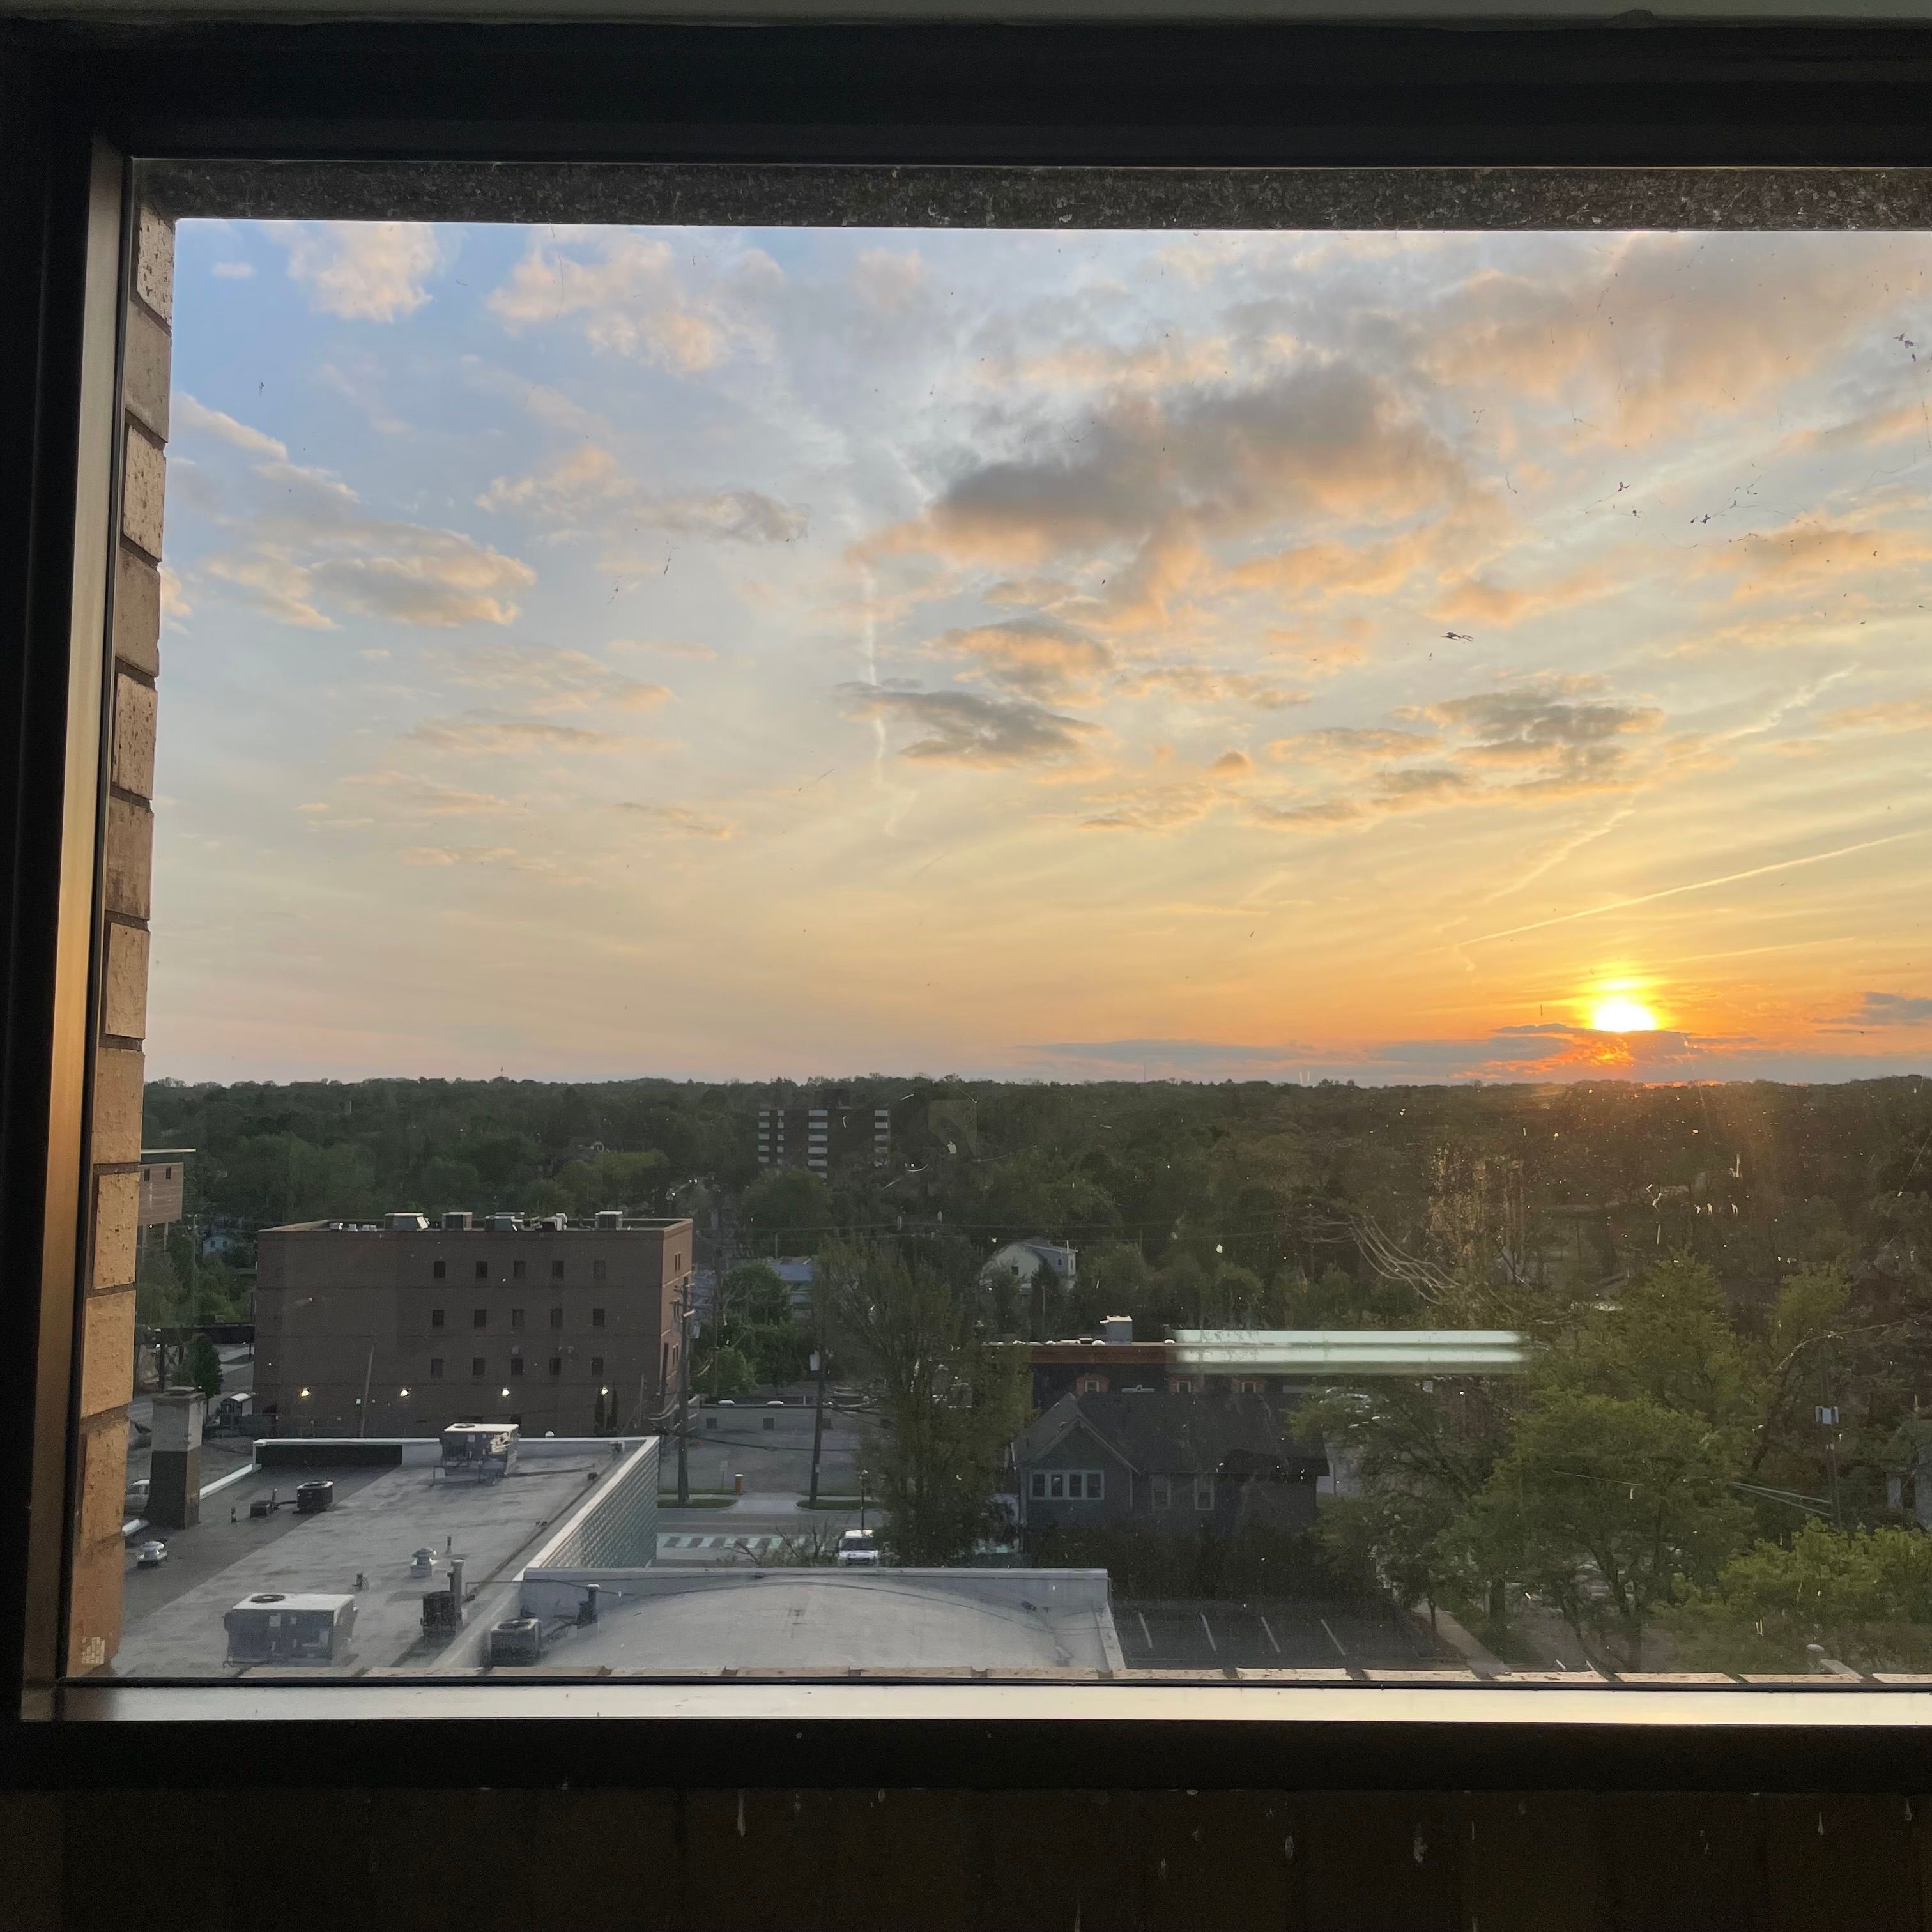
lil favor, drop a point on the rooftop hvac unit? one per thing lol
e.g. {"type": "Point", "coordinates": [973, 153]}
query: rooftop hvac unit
{"type": "Point", "coordinates": [516, 1640]}
{"type": "Point", "coordinates": [504, 1224]}
{"type": "Point", "coordinates": [483, 1450]}
{"type": "Point", "coordinates": [611, 1218]}
{"type": "Point", "coordinates": [271, 1628]}
{"type": "Point", "coordinates": [312, 1498]}
{"type": "Point", "coordinates": [408, 1224]}
{"type": "Point", "coordinates": [457, 1220]}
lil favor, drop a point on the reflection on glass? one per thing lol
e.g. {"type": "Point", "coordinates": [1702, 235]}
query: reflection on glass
{"type": "Point", "coordinates": [1179, 951]}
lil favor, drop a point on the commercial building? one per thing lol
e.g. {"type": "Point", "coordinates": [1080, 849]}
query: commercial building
{"type": "Point", "coordinates": [400, 1328]}
{"type": "Point", "coordinates": [1284, 1364]}
{"type": "Point", "coordinates": [823, 1137]}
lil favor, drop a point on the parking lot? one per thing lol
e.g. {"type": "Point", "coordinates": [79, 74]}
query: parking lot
{"type": "Point", "coordinates": [1268, 1635]}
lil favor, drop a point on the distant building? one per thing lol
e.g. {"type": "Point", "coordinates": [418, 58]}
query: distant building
{"type": "Point", "coordinates": [557, 1327]}
{"type": "Point", "coordinates": [1024, 1260]}
{"type": "Point", "coordinates": [1171, 1464]}
{"type": "Point", "coordinates": [1284, 1365]}
{"type": "Point", "coordinates": [821, 1137]}
{"type": "Point", "coordinates": [164, 1175]}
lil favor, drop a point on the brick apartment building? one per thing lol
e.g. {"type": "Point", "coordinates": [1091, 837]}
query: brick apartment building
{"type": "Point", "coordinates": [826, 1136]}
{"type": "Point", "coordinates": [562, 1327]}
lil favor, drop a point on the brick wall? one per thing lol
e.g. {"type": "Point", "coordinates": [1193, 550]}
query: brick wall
{"type": "Point", "coordinates": [107, 1339]}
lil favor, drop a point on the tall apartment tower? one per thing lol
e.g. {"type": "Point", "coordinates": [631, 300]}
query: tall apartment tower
{"type": "Point", "coordinates": [400, 1328]}
{"type": "Point", "coordinates": [821, 1137]}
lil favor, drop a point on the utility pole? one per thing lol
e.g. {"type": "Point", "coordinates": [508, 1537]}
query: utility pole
{"type": "Point", "coordinates": [817, 1420]}
{"type": "Point", "coordinates": [685, 1312]}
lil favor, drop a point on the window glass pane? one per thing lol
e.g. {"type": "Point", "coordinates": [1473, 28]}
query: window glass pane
{"type": "Point", "coordinates": [1368, 794]}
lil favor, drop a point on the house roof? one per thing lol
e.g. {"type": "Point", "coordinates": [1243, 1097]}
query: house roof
{"type": "Point", "coordinates": [1161, 1435]}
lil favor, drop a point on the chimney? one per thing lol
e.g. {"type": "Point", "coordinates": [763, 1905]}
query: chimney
{"type": "Point", "coordinates": [1117, 1330]}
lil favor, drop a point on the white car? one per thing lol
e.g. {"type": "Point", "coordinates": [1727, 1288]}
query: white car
{"type": "Point", "coordinates": [858, 1548]}
{"type": "Point", "coordinates": [150, 1556]}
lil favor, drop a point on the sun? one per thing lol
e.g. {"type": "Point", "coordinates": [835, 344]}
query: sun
{"type": "Point", "coordinates": [1620, 1015]}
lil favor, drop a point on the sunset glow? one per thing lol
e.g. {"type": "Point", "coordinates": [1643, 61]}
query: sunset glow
{"type": "Point", "coordinates": [1277, 656]}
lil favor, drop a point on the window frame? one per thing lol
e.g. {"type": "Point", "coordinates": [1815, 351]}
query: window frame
{"type": "Point", "coordinates": [714, 111]}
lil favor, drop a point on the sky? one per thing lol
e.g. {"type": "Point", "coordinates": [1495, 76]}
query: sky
{"type": "Point", "coordinates": [731, 653]}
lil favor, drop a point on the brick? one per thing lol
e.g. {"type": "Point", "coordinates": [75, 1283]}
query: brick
{"type": "Point", "coordinates": [94, 1604]}
{"type": "Point", "coordinates": [103, 1477]}
{"type": "Point", "coordinates": [123, 1002]}
{"type": "Point", "coordinates": [154, 262]}
{"type": "Point", "coordinates": [131, 857]}
{"type": "Point", "coordinates": [117, 1106]}
{"type": "Point", "coordinates": [143, 487]}
{"type": "Point", "coordinates": [137, 612]}
{"type": "Point", "coordinates": [107, 1353]}
{"type": "Point", "coordinates": [144, 370]}
{"type": "Point", "coordinates": [117, 1207]}
{"type": "Point", "coordinates": [134, 737]}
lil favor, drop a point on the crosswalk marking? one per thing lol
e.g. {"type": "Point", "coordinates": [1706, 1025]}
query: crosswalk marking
{"type": "Point", "coordinates": [683, 1542]}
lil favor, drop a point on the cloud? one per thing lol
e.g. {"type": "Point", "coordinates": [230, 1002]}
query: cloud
{"type": "Point", "coordinates": [1029, 656]}
{"type": "Point", "coordinates": [962, 729]}
{"type": "Point", "coordinates": [1649, 332]}
{"type": "Point", "coordinates": [233, 271]}
{"type": "Point", "coordinates": [889, 280]}
{"type": "Point", "coordinates": [496, 732]}
{"type": "Point", "coordinates": [666, 647]}
{"type": "Point", "coordinates": [679, 818]}
{"type": "Point", "coordinates": [361, 271]}
{"type": "Point", "coordinates": [1564, 743]}
{"type": "Point", "coordinates": [175, 605]}
{"type": "Point", "coordinates": [1232, 765]}
{"type": "Point", "coordinates": [186, 413]}
{"type": "Point", "coordinates": [1199, 684]}
{"type": "Point", "coordinates": [588, 486]}
{"type": "Point", "coordinates": [411, 792]}
{"type": "Point", "coordinates": [1912, 713]}
{"type": "Point", "coordinates": [547, 680]}
{"type": "Point", "coordinates": [456, 855]}
{"type": "Point", "coordinates": [1805, 553]}
{"type": "Point", "coordinates": [1890, 1009]}
{"type": "Point", "coordinates": [1350, 744]}
{"type": "Point", "coordinates": [1326, 440]}
{"type": "Point", "coordinates": [315, 545]}
{"type": "Point", "coordinates": [636, 298]}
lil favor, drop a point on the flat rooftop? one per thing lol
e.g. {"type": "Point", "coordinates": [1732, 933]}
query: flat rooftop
{"type": "Point", "coordinates": [669, 1622]}
{"type": "Point", "coordinates": [172, 1621]}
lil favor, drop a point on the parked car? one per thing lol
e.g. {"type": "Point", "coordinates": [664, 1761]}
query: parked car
{"type": "Point", "coordinates": [859, 1549]}
{"type": "Point", "coordinates": [152, 1554]}
{"type": "Point", "coordinates": [135, 1502]}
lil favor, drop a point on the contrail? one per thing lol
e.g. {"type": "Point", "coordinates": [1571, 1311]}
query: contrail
{"type": "Point", "coordinates": [1696, 886]}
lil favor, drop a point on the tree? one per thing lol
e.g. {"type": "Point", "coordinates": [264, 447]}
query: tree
{"type": "Point", "coordinates": [1865, 1596]}
{"type": "Point", "coordinates": [1608, 1503]}
{"type": "Point", "coordinates": [723, 1371]}
{"type": "Point", "coordinates": [788, 1211]}
{"type": "Point", "coordinates": [204, 1367]}
{"type": "Point", "coordinates": [949, 1404]}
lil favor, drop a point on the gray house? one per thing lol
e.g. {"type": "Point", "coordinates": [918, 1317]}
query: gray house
{"type": "Point", "coordinates": [1147, 1459]}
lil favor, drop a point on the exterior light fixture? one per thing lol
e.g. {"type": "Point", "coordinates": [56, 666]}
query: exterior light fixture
{"type": "Point", "coordinates": [405, 1391]}
{"type": "Point", "coordinates": [506, 1392]}
{"type": "Point", "coordinates": [305, 1395]}
{"type": "Point", "coordinates": [604, 1391]}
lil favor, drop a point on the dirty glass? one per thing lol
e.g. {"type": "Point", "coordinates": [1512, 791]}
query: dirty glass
{"type": "Point", "coordinates": [1184, 951]}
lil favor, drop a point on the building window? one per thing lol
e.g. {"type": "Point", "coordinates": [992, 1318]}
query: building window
{"type": "Point", "coordinates": [1248, 1385]}
{"type": "Point", "coordinates": [517, 1269]}
{"type": "Point", "coordinates": [1161, 1488]}
{"type": "Point", "coordinates": [557, 1365]}
{"type": "Point", "coordinates": [438, 1269]}
{"type": "Point", "coordinates": [1093, 1385]}
{"type": "Point", "coordinates": [479, 1318]}
{"type": "Point", "coordinates": [516, 1318]}
{"type": "Point", "coordinates": [556, 1318]}
{"type": "Point", "coordinates": [598, 1270]}
{"type": "Point", "coordinates": [597, 1317]}
{"type": "Point", "coordinates": [1204, 1493]}
{"type": "Point", "coordinates": [436, 1368]}
{"type": "Point", "coordinates": [1039, 1482]}
{"type": "Point", "coordinates": [556, 1271]}
{"type": "Point", "coordinates": [477, 1365]}
{"type": "Point", "coordinates": [435, 1318]}
{"type": "Point", "coordinates": [597, 1365]}
{"type": "Point", "coordinates": [482, 1270]}
{"type": "Point", "coordinates": [1183, 1384]}
{"type": "Point", "coordinates": [516, 1365]}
